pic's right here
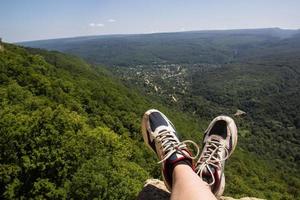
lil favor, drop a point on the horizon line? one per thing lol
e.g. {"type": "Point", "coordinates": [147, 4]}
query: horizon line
{"type": "Point", "coordinates": [150, 33]}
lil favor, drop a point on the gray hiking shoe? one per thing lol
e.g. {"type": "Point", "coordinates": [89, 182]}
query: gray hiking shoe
{"type": "Point", "coordinates": [220, 140]}
{"type": "Point", "coordinates": [160, 135]}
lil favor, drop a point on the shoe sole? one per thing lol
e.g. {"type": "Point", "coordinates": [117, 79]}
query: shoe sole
{"type": "Point", "coordinates": [234, 135]}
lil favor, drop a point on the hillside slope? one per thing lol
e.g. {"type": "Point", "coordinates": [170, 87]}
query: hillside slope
{"type": "Point", "coordinates": [71, 131]}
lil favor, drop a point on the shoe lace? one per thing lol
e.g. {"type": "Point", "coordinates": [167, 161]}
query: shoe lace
{"type": "Point", "coordinates": [170, 145]}
{"type": "Point", "coordinates": [211, 157]}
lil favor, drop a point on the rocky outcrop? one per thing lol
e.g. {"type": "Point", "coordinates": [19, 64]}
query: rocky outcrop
{"type": "Point", "coordinates": [1, 46]}
{"type": "Point", "coordinates": [239, 113]}
{"type": "Point", "coordinates": [244, 198]}
{"type": "Point", "coordinates": [155, 189]}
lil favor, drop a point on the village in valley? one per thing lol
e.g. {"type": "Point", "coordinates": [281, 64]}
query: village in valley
{"type": "Point", "coordinates": [168, 80]}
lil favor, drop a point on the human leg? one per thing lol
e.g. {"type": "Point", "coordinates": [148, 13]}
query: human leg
{"type": "Point", "coordinates": [188, 185]}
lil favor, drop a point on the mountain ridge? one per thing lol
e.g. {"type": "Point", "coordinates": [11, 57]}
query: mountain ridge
{"type": "Point", "coordinates": [288, 32]}
{"type": "Point", "coordinates": [180, 47]}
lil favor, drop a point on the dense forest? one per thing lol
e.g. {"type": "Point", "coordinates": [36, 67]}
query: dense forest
{"type": "Point", "coordinates": [212, 72]}
{"type": "Point", "coordinates": [267, 92]}
{"type": "Point", "coordinates": [70, 130]}
{"type": "Point", "coordinates": [206, 73]}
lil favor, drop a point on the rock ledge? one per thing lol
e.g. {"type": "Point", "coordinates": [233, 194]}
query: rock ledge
{"type": "Point", "coordinates": [155, 189]}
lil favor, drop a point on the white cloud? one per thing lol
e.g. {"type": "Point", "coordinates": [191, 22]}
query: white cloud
{"type": "Point", "coordinates": [111, 20]}
{"type": "Point", "coordinates": [96, 25]}
{"type": "Point", "coordinates": [153, 31]}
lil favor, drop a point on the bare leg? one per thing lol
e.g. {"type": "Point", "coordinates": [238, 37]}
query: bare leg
{"type": "Point", "coordinates": [188, 185]}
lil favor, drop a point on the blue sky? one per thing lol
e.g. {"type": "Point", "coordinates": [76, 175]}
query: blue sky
{"type": "Point", "coordinates": [22, 20]}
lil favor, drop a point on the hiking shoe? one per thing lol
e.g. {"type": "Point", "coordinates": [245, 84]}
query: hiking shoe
{"type": "Point", "coordinates": [220, 140]}
{"type": "Point", "coordinates": [160, 135]}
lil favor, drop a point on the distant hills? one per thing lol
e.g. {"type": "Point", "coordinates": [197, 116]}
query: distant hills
{"type": "Point", "coordinates": [218, 46]}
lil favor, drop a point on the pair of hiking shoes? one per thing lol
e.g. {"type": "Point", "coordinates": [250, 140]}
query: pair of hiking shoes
{"type": "Point", "coordinates": [219, 142]}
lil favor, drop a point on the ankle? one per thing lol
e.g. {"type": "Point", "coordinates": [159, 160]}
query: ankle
{"type": "Point", "coordinates": [174, 162]}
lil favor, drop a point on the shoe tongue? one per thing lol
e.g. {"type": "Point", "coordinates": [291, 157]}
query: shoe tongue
{"type": "Point", "coordinates": [160, 129]}
{"type": "Point", "coordinates": [206, 170]}
{"type": "Point", "coordinates": [222, 142]}
{"type": "Point", "coordinates": [178, 156]}
{"type": "Point", "coordinates": [216, 138]}
{"type": "Point", "coordinates": [206, 175]}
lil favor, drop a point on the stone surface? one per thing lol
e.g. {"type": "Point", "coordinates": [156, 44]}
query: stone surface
{"type": "Point", "coordinates": [244, 198]}
{"type": "Point", "coordinates": [155, 189]}
{"type": "Point", "coordinates": [240, 113]}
